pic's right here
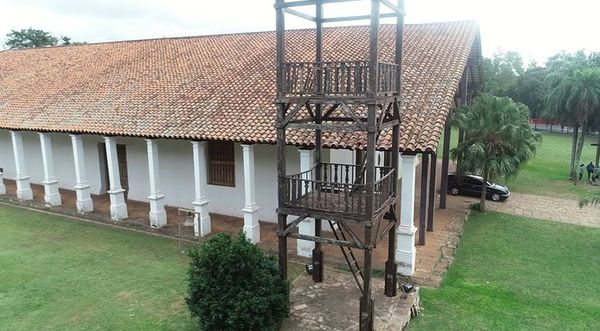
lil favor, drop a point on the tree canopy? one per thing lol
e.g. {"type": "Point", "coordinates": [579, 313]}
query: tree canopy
{"type": "Point", "coordinates": [497, 141]}
{"type": "Point", "coordinates": [575, 98]}
{"type": "Point", "coordinates": [30, 38]}
{"type": "Point", "coordinates": [550, 90]}
{"type": "Point", "coordinates": [531, 90]}
{"type": "Point", "coordinates": [502, 72]}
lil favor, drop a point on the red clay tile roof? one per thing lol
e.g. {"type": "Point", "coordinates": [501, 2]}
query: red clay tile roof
{"type": "Point", "coordinates": [218, 87]}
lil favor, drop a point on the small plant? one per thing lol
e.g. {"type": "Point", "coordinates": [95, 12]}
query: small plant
{"type": "Point", "coordinates": [233, 285]}
{"type": "Point", "coordinates": [475, 206]}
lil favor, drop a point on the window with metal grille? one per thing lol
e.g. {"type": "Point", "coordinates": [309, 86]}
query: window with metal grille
{"type": "Point", "coordinates": [221, 164]}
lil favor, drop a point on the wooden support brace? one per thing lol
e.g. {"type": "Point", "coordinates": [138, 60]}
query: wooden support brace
{"type": "Point", "coordinates": [445, 165]}
{"type": "Point", "coordinates": [290, 227]}
{"type": "Point", "coordinates": [424, 195]}
{"type": "Point", "coordinates": [300, 14]}
{"type": "Point", "coordinates": [431, 199]}
{"type": "Point", "coordinates": [322, 240]}
{"type": "Point", "coordinates": [356, 18]}
{"type": "Point", "coordinates": [293, 112]}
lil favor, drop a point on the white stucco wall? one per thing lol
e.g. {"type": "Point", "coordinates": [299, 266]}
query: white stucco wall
{"type": "Point", "coordinates": [63, 159]}
{"type": "Point", "coordinates": [346, 156]}
{"type": "Point", "coordinates": [343, 156]}
{"type": "Point", "coordinates": [33, 156]}
{"type": "Point", "coordinates": [7, 161]}
{"type": "Point", "coordinates": [177, 175]}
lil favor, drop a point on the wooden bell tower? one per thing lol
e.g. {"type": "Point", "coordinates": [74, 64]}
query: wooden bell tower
{"type": "Point", "coordinates": [360, 96]}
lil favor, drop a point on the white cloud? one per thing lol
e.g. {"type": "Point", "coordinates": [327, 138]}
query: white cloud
{"type": "Point", "coordinates": [535, 28]}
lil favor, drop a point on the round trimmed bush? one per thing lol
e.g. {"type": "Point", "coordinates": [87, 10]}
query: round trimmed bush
{"type": "Point", "coordinates": [234, 285]}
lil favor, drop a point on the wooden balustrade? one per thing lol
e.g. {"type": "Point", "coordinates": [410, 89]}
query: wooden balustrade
{"type": "Point", "coordinates": [340, 189]}
{"type": "Point", "coordinates": [384, 189]}
{"type": "Point", "coordinates": [388, 72]}
{"type": "Point", "coordinates": [348, 78]}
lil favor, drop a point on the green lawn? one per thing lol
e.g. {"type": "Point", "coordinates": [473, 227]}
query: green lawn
{"type": "Point", "coordinates": [547, 173]}
{"type": "Point", "coordinates": [516, 273]}
{"type": "Point", "coordinates": [58, 274]}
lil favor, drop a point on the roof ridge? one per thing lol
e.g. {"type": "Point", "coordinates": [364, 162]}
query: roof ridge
{"type": "Point", "coordinates": [222, 35]}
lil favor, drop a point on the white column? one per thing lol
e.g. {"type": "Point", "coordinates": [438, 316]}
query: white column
{"type": "Point", "coordinates": [51, 194]}
{"type": "Point", "coordinates": [251, 225]}
{"type": "Point", "coordinates": [23, 186]}
{"type": "Point", "coordinates": [158, 214]}
{"type": "Point", "coordinates": [2, 187]}
{"type": "Point", "coordinates": [118, 208]}
{"type": "Point", "coordinates": [406, 252]}
{"type": "Point", "coordinates": [307, 227]}
{"type": "Point", "coordinates": [82, 188]}
{"type": "Point", "coordinates": [202, 219]}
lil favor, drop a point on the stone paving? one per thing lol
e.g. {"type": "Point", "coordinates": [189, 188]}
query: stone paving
{"type": "Point", "coordinates": [334, 304]}
{"type": "Point", "coordinates": [435, 257]}
{"type": "Point", "coordinates": [548, 208]}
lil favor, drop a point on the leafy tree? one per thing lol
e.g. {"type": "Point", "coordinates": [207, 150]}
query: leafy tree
{"type": "Point", "coordinates": [498, 139]}
{"type": "Point", "coordinates": [29, 38]}
{"type": "Point", "coordinates": [578, 96]}
{"type": "Point", "coordinates": [559, 67]}
{"type": "Point", "coordinates": [531, 90]}
{"type": "Point", "coordinates": [233, 285]}
{"type": "Point", "coordinates": [502, 72]}
{"type": "Point", "coordinates": [594, 126]}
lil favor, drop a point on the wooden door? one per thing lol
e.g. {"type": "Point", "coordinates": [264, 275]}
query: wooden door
{"type": "Point", "coordinates": [122, 159]}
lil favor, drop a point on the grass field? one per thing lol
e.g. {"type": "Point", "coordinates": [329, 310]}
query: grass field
{"type": "Point", "coordinates": [58, 274]}
{"type": "Point", "coordinates": [547, 173]}
{"type": "Point", "coordinates": [516, 273]}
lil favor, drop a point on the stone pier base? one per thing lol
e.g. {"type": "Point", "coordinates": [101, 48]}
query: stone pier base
{"type": "Point", "coordinates": [333, 304]}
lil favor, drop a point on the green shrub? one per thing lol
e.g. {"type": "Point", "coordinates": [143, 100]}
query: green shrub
{"type": "Point", "coordinates": [233, 285]}
{"type": "Point", "coordinates": [475, 206]}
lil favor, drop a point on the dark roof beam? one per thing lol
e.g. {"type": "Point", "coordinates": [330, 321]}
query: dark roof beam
{"type": "Point", "coordinates": [300, 14]}
{"type": "Point", "coordinates": [356, 18]}
{"type": "Point", "coordinates": [396, 9]}
{"type": "Point", "coordinates": [302, 3]}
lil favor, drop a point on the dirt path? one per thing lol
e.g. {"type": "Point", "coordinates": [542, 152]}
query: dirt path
{"type": "Point", "coordinates": [548, 208]}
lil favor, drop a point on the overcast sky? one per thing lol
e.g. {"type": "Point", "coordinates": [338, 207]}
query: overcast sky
{"type": "Point", "coordinates": [534, 28]}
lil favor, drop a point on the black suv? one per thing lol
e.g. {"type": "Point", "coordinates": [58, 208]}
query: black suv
{"type": "Point", "coordinates": [471, 185]}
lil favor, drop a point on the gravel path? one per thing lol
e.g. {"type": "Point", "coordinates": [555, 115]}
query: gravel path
{"type": "Point", "coordinates": [548, 208]}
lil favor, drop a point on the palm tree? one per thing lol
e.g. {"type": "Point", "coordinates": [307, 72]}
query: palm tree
{"type": "Point", "coordinates": [558, 67]}
{"type": "Point", "coordinates": [579, 95]}
{"type": "Point", "coordinates": [498, 139]}
{"type": "Point", "coordinates": [592, 198]}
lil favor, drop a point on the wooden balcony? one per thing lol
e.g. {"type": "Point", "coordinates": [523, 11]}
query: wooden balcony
{"type": "Point", "coordinates": [341, 191]}
{"type": "Point", "coordinates": [338, 79]}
